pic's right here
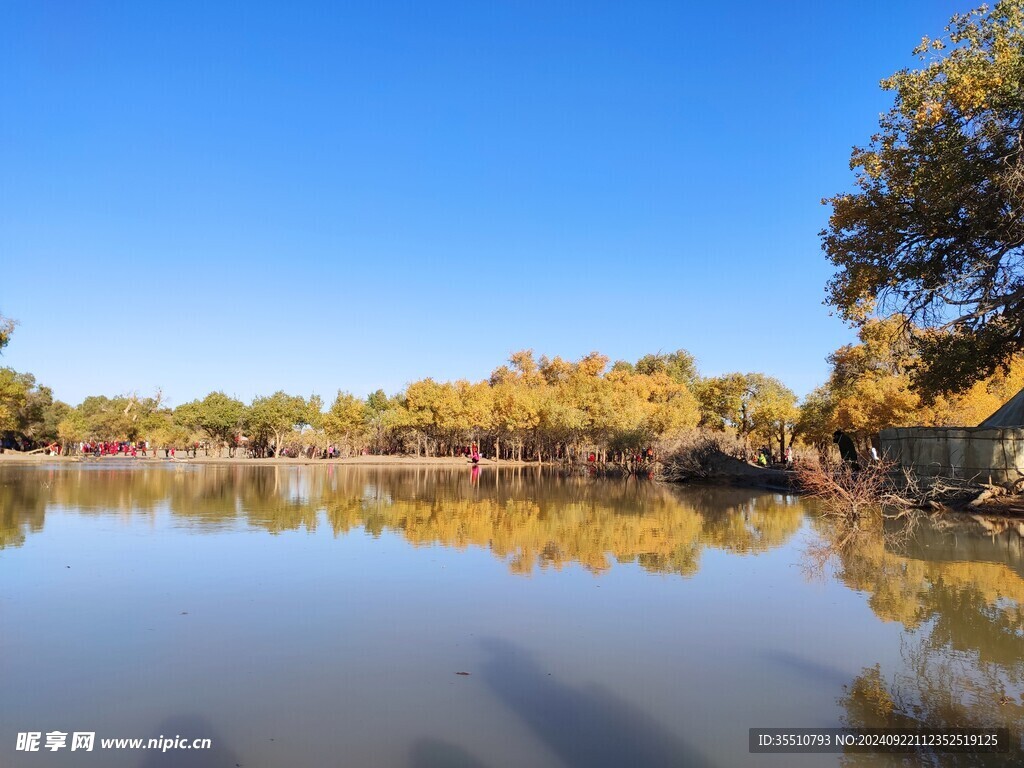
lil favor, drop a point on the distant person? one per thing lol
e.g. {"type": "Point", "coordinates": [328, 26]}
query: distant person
{"type": "Point", "coordinates": [847, 450]}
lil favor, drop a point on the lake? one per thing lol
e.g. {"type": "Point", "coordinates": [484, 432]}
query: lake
{"type": "Point", "coordinates": [423, 617]}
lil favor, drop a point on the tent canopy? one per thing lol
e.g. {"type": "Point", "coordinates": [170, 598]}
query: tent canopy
{"type": "Point", "coordinates": [1010, 415]}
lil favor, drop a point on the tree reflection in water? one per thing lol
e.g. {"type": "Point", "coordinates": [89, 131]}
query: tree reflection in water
{"type": "Point", "coordinates": [962, 652]}
{"type": "Point", "coordinates": [23, 500]}
{"type": "Point", "coordinates": [957, 595]}
{"type": "Point", "coordinates": [528, 518]}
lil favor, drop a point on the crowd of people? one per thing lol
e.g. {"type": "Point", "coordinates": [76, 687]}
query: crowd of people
{"type": "Point", "coordinates": [113, 448]}
{"type": "Point", "coordinates": [129, 449]}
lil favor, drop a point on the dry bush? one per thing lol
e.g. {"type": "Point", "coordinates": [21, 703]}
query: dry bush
{"type": "Point", "coordinates": [857, 507]}
{"type": "Point", "coordinates": [696, 455]}
{"type": "Point", "coordinates": [877, 500]}
{"type": "Point", "coordinates": [844, 492]}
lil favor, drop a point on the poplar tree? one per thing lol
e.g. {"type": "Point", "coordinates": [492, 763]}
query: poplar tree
{"type": "Point", "coordinates": [934, 229]}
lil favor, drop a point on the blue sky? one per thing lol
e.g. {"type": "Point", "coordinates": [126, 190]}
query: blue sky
{"type": "Point", "coordinates": [260, 196]}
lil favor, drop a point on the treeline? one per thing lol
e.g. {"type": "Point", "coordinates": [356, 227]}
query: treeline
{"type": "Point", "coordinates": [531, 408]}
{"type": "Point", "coordinates": [873, 386]}
{"type": "Point", "coordinates": [544, 409]}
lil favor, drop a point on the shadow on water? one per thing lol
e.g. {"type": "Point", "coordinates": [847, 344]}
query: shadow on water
{"type": "Point", "coordinates": [433, 753]}
{"type": "Point", "coordinates": [191, 727]}
{"type": "Point", "coordinates": [807, 668]}
{"type": "Point", "coordinates": [586, 727]}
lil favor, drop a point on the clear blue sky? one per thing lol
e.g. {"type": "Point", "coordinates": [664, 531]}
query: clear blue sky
{"type": "Point", "coordinates": [312, 196]}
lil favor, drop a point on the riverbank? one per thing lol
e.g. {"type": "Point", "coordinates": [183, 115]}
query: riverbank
{"type": "Point", "coordinates": [727, 470]}
{"type": "Point", "coordinates": [14, 457]}
{"type": "Point", "coordinates": [715, 467]}
{"type": "Point", "coordinates": [369, 460]}
{"type": "Point", "coordinates": [878, 485]}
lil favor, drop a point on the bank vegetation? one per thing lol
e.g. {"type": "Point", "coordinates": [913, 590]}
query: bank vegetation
{"type": "Point", "coordinates": [658, 409]}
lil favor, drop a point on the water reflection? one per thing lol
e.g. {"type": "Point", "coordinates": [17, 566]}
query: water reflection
{"type": "Point", "coordinates": [954, 592]}
{"type": "Point", "coordinates": [433, 753]}
{"type": "Point", "coordinates": [190, 728]}
{"type": "Point", "coordinates": [586, 726]}
{"type": "Point", "coordinates": [962, 652]}
{"type": "Point", "coordinates": [22, 506]}
{"type": "Point", "coordinates": [527, 518]}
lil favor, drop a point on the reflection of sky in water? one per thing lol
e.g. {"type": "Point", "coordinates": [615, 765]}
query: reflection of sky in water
{"type": "Point", "coordinates": [675, 619]}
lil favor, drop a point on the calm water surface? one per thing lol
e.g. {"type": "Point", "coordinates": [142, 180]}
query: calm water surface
{"type": "Point", "coordinates": [318, 616]}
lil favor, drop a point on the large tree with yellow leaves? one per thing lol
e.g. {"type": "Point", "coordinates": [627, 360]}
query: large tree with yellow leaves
{"type": "Point", "coordinates": [935, 227]}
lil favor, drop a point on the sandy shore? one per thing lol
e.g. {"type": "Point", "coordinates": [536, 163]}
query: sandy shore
{"type": "Point", "coordinates": [405, 461]}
